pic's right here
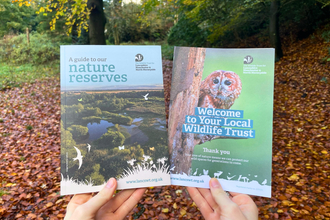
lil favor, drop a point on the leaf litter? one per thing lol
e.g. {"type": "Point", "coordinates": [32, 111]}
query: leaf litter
{"type": "Point", "coordinates": [30, 147]}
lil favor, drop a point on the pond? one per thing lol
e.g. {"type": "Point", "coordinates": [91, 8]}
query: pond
{"type": "Point", "coordinates": [96, 130]}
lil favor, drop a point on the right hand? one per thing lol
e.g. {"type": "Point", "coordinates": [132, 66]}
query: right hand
{"type": "Point", "coordinates": [214, 203]}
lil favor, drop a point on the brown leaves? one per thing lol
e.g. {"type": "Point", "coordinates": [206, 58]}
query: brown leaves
{"type": "Point", "coordinates": [30, 135]}
{"type": "Point", "coordinates": [30, 147]}
{"type": "Point", "coordinates": [301, 174]}
{"type": "Point", "coordinates": [168, 202]}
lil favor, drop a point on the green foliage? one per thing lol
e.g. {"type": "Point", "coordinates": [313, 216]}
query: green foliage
{"type": "Point", "coordinates": [15, 19]}
{"type": "Point", "coordinates": [110, 139]}
{"type": "Point", "coordinates": [14, 75]}
{"type": "Point", "coordinates": [117, 119]}
{"type": "Point", "coordinates": [90, 111]}
{"type": "Point", "coordinates": [78, 131]}
{"type": "Point", "coordinates": [167, 51]}
{"type": "Point", "coordinates": [97, 178]}
{"type": "Point", "coordinates": [126, 22]}
{"type": "Point", "coordinates": [229, 23]}
{"type": "Point", "coordinates": [68, 141]}
{"type": "Point", "coordinates": [40, 50]}
{"type": "Point", "coordinates": [105, 149]}
{"type": "Point", "coordinates": [29, 127]}
{"type": "Point", "coordinates": [326, 35]}
{"type": "Point", "coordinates": [187, 33]}
{"type": "Point", "coordinates": [71, 112]}
{"type": "Point", "coordinates": [3, 192]}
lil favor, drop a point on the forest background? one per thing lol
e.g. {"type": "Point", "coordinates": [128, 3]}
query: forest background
{"type": "Point", "coordinates": [31, 32]}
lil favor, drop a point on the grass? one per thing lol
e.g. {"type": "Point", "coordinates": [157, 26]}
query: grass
{"type": "Point", "coordinates": [16, 75]}
{"type": "Point", "coordinates": [3, 192]}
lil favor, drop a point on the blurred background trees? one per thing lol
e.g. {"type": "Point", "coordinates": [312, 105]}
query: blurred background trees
{"type": "Point", "coordinates": [213, 23]}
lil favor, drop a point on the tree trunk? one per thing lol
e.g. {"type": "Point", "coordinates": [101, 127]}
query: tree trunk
{"type": "Point", "coordinates": [96, 22]}
{"type": "Point", "coordinates": [27, 36]}
{"type": "Point", "coordinates": [186, 80]}
{"type": "Point", "coordinates": [274, 32]}
{"type": "Point", "coordinates": [116, 15]}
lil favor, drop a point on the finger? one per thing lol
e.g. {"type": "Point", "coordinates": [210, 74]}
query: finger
{"type": "Point", "coordinates": [76, 201]}
{"type": "Point", "coordinates": [130, 203]}
{"type": "Point", "coordinates": [117, 201]}
{"type": "Point", "coordinates": [200, 201]}
{"type": "Point", "coordinates": [94, 204]}
{"type": "Point", "coordinates": [219, 195]}
{"type": "Point", "coordinates": [246, 204]}
{"type": "Point", "coordinates": [206, 193]}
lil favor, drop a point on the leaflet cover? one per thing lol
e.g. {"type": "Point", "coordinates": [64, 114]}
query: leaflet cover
{"type": "Point", "coordinates": [112, 118]}
{"type": "Point", "coordinates": [221, 116]}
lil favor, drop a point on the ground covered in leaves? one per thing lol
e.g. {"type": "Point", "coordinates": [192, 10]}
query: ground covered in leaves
{"type": "Point", "coordinates": [30, 147]}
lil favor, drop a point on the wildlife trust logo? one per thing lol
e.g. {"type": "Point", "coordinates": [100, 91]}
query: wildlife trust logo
{"type": "Point", "coordinates": [138, 57]}
{"type": "Point", "coordinates": [248, 59]}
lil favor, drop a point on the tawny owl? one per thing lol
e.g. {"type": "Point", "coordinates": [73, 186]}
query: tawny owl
{"type": "Point", "coordinates": [219, 90]}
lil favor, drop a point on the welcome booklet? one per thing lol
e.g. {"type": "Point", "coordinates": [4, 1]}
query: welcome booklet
{"type": "Point", "coordinates": [112, 118]}
{"type": "Point", "coordinates": [221, 117]}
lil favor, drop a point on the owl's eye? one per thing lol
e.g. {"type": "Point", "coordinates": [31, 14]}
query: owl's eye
{"type": "Point", "coordinates": [227, 82]}
{"type": "Point", "coordinates": [216, 81]}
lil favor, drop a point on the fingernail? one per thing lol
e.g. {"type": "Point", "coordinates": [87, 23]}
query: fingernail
{"type": "Point", "coordinates": [214, 183]}
{"type": "Point", "coordinates": [110, 183]}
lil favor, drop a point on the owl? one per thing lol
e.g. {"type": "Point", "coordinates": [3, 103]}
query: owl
{"type": "Point", "coordinates": [219, 90]}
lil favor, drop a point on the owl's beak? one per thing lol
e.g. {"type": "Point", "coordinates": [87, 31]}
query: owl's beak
{"type": "Point", "coordinates": [219, 87]}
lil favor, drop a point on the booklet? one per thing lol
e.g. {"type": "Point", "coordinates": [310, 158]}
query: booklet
{"type": "Point", "coordinates": [220, 119]}
{"type": "Point", "coordinates": [112, 118]}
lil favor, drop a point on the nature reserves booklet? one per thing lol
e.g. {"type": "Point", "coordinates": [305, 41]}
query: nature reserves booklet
{"type": "Point", "coordinates": [220, 120]}
{"type": "Point", "coordinates": [112, 118]}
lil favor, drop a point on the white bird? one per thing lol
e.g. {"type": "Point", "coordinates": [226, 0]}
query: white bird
{"type": "Point", "coordinates": [89, 147]}
{"type": "Point", "coordinates": [79, 157]}
{"type": "Point", "coordinates": [146, 157]}
{"type": "Point", "coordinates": [205, 172]}
{"type": "Point", "coordinates": [229, 178]}
{"type": "Point", "coordinates": [264, 182]}
{"type": "Point", "coordinates": [145, 96]}
{"type": "Point", "coordinates": [131, 162]}
{"type": "Point", "coordinates": [195, 172]}
{"type": "Point", "coordinates": [121, 147]}
{"type": "Point", "coordinates": [162, 160]}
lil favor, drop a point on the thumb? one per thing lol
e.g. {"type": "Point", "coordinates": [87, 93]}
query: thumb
{"type": "Point", "coordinates": [219, 195]}
{"type": "Point", "coordinates": [95, 203]}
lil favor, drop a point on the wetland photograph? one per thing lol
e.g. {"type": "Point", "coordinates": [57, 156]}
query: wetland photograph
{"type": "Point", "coordinates": [108, 133]}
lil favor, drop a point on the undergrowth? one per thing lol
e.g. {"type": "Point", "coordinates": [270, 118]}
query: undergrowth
{"type": "Point", "coordinates": [12, 75]}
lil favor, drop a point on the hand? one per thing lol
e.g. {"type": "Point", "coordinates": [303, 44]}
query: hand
{"type": "Point", "coordinates": [216, 204]}
{"type": "Point", "coordinates": [104, 205]}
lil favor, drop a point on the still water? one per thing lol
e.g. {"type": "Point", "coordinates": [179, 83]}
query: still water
{"type": "Point", "coordinates": [96, 130]}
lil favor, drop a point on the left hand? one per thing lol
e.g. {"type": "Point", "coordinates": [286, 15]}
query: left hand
{"type": "Point", "coordinates": [104, 205]}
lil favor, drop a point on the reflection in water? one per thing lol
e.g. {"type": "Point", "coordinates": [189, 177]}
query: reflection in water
{"type": "Point", "coordinates": [160, 124]}
{"type": "Point", "coordinates": [96, 130]}
{"type": "Point", "coordinates": [135, 120]}
{"type": "Point", "coordinates": [137, 136]}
